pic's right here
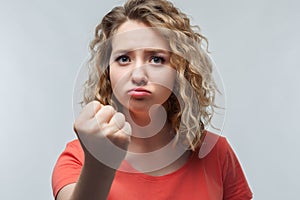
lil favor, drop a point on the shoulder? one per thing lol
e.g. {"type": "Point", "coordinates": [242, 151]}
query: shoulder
{"type": "Point", "coordinates": [68, 166]}
{"type": "Point", "coordinates": [219, 155]}
{"type": "Point", "coordinates": [72, 155]}
{"type": "Point", "coordinates": [213, 144]}
{"type": "Point", "coordinates": [74, 145]}
{"type": "Point", "coordinates": [73, 150]}
{"type": "Point", "coordinates": [217, 152]}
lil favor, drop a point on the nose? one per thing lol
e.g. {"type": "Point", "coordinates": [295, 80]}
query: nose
{"type": "Point", "coordinates": [139, 75]}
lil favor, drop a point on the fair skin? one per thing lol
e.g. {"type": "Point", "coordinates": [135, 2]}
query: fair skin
{"type": "Point", "coordinates": [142, 78]}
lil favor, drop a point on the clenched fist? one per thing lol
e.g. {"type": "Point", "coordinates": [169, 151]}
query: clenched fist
{"type": "Point", "coordinates": [103, 133]}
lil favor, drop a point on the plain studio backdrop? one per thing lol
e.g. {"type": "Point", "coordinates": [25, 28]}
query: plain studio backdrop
{"type": "Point", "coordinates": [255, 45]}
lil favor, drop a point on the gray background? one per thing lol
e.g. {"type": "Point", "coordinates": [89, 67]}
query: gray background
{"type": "Point", "coordinates": [254, 43]}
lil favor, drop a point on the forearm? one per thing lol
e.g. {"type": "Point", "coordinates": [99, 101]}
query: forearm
{"type": "Point", "coordinates": [98, 126]}
{"type": "Point", "coordinates": [94, 182]}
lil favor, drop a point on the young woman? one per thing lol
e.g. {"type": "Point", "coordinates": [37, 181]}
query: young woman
{"type": "Point", "coordinates": [147, 102]}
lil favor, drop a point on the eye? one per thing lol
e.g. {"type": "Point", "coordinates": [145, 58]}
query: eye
{"type": "Point", "coordinates": [157, 60]}
{"type": "Point", "coordinates": [123, 59]}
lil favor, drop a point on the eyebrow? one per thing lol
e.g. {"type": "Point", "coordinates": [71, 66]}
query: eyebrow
{"type": "Point", "coordinates": [147, 50]}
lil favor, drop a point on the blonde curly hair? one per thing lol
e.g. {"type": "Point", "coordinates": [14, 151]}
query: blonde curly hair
{"type": "Point", "coordinates": [192, 108]}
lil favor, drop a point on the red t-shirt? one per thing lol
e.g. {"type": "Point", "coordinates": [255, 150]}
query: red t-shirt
{"type": "Point", "coordinates": [216, 176]}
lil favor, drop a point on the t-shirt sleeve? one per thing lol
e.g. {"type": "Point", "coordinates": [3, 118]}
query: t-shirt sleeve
{"type": "Point", "coordinates": [234, 181]}
{"type": "Point", "coordinates": [68, 166]}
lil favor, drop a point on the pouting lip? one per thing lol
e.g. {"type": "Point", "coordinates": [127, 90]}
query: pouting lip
{"type": "Point", "coordinates": [139, 89]}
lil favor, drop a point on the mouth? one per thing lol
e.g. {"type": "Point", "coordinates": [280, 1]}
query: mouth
{"type": "Point", "coordinates": [139, 92]}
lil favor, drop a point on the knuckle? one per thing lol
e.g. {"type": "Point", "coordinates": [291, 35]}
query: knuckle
{"type": "Point", "coordinates": [95, 103]}
{"type": "Point", "coordinates": [127, 128]}
{"type": "Point", "coordinates": [110, 108]}
{"type": "Point", "coordinates": [119, 120]}
{"type": "Point", "coordinates": [121, 115]}
{"type": "Point", "coordinates": [119, 138]}
{"type": "Point", "coordinates": [77, 125]}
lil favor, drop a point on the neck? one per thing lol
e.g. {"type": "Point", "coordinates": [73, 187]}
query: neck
{"type": "Point", "coordinates": [150, 130]}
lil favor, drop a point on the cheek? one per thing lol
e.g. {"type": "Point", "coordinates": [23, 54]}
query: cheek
{"type": "Point", "coordinates": [115, 77]}
{"type": "Point", "coordinates": [112, 78]}
{"type": "Point", "coordinates": [166, 78]}
{"type": "Point", "coordinates": [118, 79]}
{"type": "Point", "coordinates": [114, 83]}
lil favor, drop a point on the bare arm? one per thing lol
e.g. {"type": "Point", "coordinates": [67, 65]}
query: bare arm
{"type": "Point", "coordinates": [94, 183]}
{"type": "Point", "coordinates": [96, 125]}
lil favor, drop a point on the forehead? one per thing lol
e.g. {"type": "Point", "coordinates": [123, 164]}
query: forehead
{"type": "Point", "coordinates": [135, 35]}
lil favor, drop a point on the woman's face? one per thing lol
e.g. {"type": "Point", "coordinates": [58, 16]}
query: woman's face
{"type": "Point", "coordinates": [140, 71]}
